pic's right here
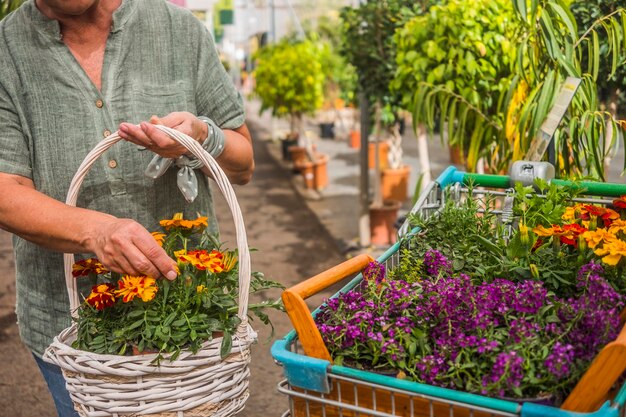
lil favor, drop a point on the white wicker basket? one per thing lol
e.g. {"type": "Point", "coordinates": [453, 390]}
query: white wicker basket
{"type": "Point", "coordinates": [200, 384]}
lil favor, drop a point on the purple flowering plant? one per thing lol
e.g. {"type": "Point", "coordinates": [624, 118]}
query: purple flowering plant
{"type": "Point", "coordinates": [500, 338]}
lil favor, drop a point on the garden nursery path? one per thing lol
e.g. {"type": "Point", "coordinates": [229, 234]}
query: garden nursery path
{"type": "Point", "coordinates": [291, 245]}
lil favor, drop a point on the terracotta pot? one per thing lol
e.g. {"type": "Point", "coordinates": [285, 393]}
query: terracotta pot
{"type": "Point", "coordinates": [394, 183]}
{"type": "Point", "coordinates": [315, 173]}
{"type": "Point", "coordinates": [382, 220]}
{"type": "Point", "coordinates": [355, 139]}
{"type": "Point", "coordinates": [298, 154]}
{"type": "Point", "coordinates": [320, 172]}
{"type": "Point", "coordinates": [383, 150]}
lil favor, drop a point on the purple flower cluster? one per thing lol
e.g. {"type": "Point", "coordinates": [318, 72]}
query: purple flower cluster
{"type": "Point", "coordinates": [435, 263]}
{"type": "Point", "coordinates": [496, 338]}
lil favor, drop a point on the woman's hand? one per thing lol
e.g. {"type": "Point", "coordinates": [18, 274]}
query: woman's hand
{"type": "Point", "coordinates": [148, 136]}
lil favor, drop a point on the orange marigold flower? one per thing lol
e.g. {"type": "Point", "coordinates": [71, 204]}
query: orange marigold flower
{"type": "Point", "coordinates": [131, 286]}
{"type": "Point", "coordinates": [546, 232]}
{"type": "Point", "coordinates": [606, 214]}
{"type": "Point", "coordinates": [101, 296]}
{"type": "Point", "coordinates": [178, 221]}
{"type": "Point", "coordinates": [612, 252]}
{"type": "Point", "coordinates": [85, 267]}
{"type": "Point", "coordinates": [203, 260]}
{"type": "Point", "coordinates": [595, 237]}
{"type": "Point", "coordinates": [620, 203]}
{"type": "Point", "coordinates": [158, 237]}
{"type": "Point", "coordinates": [571, 232]}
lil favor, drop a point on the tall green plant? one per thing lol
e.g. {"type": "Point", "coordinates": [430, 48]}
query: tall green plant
{"type": "Point", "coordinates": [612, 88]}
{"type": "Point", "coordinates": [289, 81]}
{"type": "Point", "coordinates": [551, 47]}
{"type": "Point", "coordinates": [368, 44]}
{"type": "Point", "coordinates": [454, 70]}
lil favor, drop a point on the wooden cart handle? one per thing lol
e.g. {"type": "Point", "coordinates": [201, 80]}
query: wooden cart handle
{"type": "Point", "coordinates": [594, 386]}
{"type": "Point", "coordinates": [299, 313]}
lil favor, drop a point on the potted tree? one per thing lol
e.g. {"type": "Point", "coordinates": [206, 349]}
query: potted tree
{"type": "Point", "coordinates": [453, 66]}
{"type": "Point", "coordinates": [367, 43]}
{"type": "Point", "coordinates": [289, 81]}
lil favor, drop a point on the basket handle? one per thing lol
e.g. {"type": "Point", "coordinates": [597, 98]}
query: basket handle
{"type": "Point", "coordinates": [594, 386]}
{"type": "Point", "coordinates": [299, 312]}
{"type": "Point", "coordinates": [217, 175]}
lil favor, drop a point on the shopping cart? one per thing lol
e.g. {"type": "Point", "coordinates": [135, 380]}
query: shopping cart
{"type": "Point", "coordinates": [317, 387]}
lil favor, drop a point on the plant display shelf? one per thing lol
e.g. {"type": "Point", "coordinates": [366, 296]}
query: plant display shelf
{"type": "Point", "coordinates": [317, 387]}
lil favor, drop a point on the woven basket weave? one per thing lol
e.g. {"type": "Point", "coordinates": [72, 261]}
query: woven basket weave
{"type": "Point", "coordinates": [200, 384]}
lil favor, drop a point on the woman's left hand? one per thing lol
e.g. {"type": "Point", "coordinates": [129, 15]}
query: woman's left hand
{"type": "Point", "coordinates": [148, 136]}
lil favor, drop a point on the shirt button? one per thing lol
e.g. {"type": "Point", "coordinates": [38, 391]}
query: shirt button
{"type": "Point", "coordinates": [99, 103]}
{"type": "Point", "coordinates": [106, 133]}
{"type": "Point", "coordinates": [112, 163]}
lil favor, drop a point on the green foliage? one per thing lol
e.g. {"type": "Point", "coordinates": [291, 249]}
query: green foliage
{"type": "Point", "coordinates": [7, 6]}
{"type": "Point", "coordinates": [611, 87]}
{"type": "Point", "coordinates": [551, 48]}
{"type": "Point", "coordinates": [367, 43]}
{"type": "Point", "coordinates": [454, 68]}
{"type": "Point", "coordinates": [289, 78]}
{"type": "Point", "coordinates": [200, 304]}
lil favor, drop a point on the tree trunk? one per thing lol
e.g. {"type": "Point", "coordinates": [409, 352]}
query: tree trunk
{"type": "Point", "coordinates": [608, 135]}
{"type": "Point", "coordinates": [424, 158]}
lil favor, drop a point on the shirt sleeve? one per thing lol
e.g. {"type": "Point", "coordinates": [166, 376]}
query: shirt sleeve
{"type": "Point", "coordinates": [216, 96]}
{"type": "Point", "coordinates": [15, 151]}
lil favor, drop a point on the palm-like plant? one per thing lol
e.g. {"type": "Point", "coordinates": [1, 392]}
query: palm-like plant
{"type": "Point", "coordinates": [552, 49]}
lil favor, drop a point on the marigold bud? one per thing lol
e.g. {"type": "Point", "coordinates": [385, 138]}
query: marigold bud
{"type": "Point", "coordinates": [534, 271]}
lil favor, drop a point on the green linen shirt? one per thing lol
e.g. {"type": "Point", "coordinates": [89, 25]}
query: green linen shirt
{"type": "Point", "coordinates": [159, 58]}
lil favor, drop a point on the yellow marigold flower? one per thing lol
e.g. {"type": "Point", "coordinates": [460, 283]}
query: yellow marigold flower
{"type": "Point", "coordinates": [131, 286]}
{"type": "Point", "coordinates": [618, 225]}
{"type": "Point", "coordinates": [178, 221]}
{"type": "Point", "coordinates": [612, 252]}
{"type": "Point", "coordinates": [201, 288]}
{"type": "Point", "coordinates": [158, 237]}
{"type": "Point", "coordinates": [574, 212]}
{"type": "Point", "coordinates": [85, 267]}
{"type": "Point", "coordinates": [101, 296]}
{"type": "Point", "coordinates": [230, 260]}
{"type": "Point", "coordinates": [595, 237]}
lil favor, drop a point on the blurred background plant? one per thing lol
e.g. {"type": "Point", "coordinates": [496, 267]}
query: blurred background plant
{"type": "Point", "coordinates": [453, 73]}
{"type": "Point", "coordinates": [552, 47]}
{"type": "Point", "coordinates": [289, 81]}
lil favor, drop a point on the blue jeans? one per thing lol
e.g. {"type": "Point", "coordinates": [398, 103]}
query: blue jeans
{"type": "Point", "coordinates": [56, 384]}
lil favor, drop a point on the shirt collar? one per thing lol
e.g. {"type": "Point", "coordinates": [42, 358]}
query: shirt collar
{"type": "Point", "coordinates": [51, 28]}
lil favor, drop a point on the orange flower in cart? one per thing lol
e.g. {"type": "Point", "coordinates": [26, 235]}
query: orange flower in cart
{"type": "Point", "coordinates": [606, 214]}
{"type": "Point", "coordinates": [101, 296]}
{"type": "Point", "coordinates": [612, 252]}
{"type": "Point", "coordinates": [85, 267]}
{"type": "Point", "coordinates": [179, 221]}
{"type": "Point", "coordinates": [595, 237]}
{"type": "Point", "coordinates": [554, 230]}
{"type": "Point", "coordinates": [571, 232]}
{"type": "Point", "coordinates": [140, 286]}
{"type": "Point", "coordinates": [620, 203]}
